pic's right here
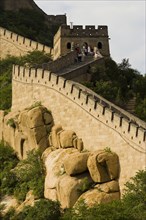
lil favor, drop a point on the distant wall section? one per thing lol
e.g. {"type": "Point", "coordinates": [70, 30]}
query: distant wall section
{"type": "Point", "coordinates": [16, 45]}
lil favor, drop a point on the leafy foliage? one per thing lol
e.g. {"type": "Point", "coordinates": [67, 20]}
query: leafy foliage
{"type": "Point", "coordinates": [31, 59]}
{"type": "Point", "coordinates": [8, 161]}
{"type": "Point", "coordinates": [11, 122]}
{"type": "Point", "coordinates": [18, 177]}
{"type": "Point", "coordinates": [30, 24]}
{"type": "Point", "coordinates": [42, 210]}
{"type": "Point", "coordinates": [85, 185]}
{"type": "Point", "coordinates": [30, 175]}
{"type": "Point", "coordinates": [119, 83]}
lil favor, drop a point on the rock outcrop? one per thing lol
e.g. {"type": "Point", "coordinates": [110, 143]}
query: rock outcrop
{"type": "Point", "coordinates": [16, 5]}
{"type": "Point", "coordinates": [60, 138]}
{"type": "Point", "coordinates": [72, 173]}
{"type": "Point", "coordinates": [28, 129]}
{"type": "Point", "coordinates": [103, 166]}
{"type": "Point", "coordinates": [93, 196]}
{"type": "Point", "coordinates": [72, 176]}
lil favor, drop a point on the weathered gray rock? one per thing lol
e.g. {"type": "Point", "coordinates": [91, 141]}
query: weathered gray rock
{"type": "Point", "coordinates": [76, 163]}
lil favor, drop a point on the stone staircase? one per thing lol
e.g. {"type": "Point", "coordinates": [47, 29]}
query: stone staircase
{"type": "Point", "coordinates": [87, 60]}
{"type": "Point", "coordinates": [131, 105]}
{"type": "Point", "coordinates": [79, 70]}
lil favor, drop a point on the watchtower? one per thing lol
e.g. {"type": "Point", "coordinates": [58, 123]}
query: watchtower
{"type": "Point", "coordinates": [67, 37]}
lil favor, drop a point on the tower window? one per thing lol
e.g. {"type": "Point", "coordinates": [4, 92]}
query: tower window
{"type": "Point", "coordinates": [99, 45]}
{"type": "Point", "coordinates": [68, 45]}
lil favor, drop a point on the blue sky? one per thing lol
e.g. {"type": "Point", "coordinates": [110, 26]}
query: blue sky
{"type": "Point", "coordinates": [125, 20]}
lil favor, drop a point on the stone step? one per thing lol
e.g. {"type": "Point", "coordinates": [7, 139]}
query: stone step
{"type": "Point", "coordinates": [76, 65]}
{"type": "Point", "coordinates": [130, 107]}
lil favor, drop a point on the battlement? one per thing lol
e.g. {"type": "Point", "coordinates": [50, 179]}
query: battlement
{"type": "Point", "coordinates": [130, 128]}
{"type": "Point", "coordinates": [14, 44]}
{"type": "Point", "coordinates": [88, 31]}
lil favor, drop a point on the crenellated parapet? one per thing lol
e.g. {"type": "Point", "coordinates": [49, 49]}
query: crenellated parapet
{"type": "Point", "coordinates": [90, 36]}
{"type": "Point", "coordinates": [88, 31]}
{"type": "Point", "coordinates": [130, 128]}
{"type": "Point", "coordinates": [14, 44]}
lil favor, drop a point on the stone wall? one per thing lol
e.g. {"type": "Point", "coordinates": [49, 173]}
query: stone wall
{"type": "Point", "coordinates": [98, 122]}
{"type": "Point", "coordinates": [60, 63]}
{"type": "Point", "coordinates": [16, 45]}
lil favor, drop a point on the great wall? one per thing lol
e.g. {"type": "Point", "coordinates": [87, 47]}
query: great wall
{"type": "Point", "coordinates": [97, 121]}
{"type": "Point", "coordinates": [16, 45]}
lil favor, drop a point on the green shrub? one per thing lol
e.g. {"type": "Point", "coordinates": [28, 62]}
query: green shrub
{"type": "Point", "coordinates": [31, 59]}
{"type": "Point", "coordinates": [42, 210]}
{"type": "Point", "coordinates": [18, 177]}
{"type": "Point", "coordinates": [11, 123]}
{"type": "Point", "coordinates": [8, 160]}
{"type": "Point", "coordinates": [30, 175]}
{"type": "Point", "coordinates": [36, 104]}
{"type": "Point", "coordinates": [30, 24]}
{"type": "Point", "coordinates": [85, 185]}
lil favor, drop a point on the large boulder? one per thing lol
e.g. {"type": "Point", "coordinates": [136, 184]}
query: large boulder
{"type": "Point", "coordinates": [111, 160]}
{"type": "Point", "coordinates": [109, 187]}
{"type": "Point", "coordinates": [66, 139]}
{"type": "Point", "coordinates": [60, 138]}
{"type": "Point", "coordinates": [103, 166]}
{"type": "Point", "coordinates": [54, 136]}
{"type": "Point", "coordinates": [69, 189]}
{"type": "Point", "coordinates": [28, 129]}
{"type": "Point", "coordinates": [54, 164]}
{"type": "Point", "coordinates": [93, 197]}
{"type": "Point", "coordinates": [76, 164]}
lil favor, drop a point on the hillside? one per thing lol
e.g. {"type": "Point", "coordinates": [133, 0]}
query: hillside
{"type": "Point", "coordinates": [120, 84]}
{"type": "Point", "coordinates": [16, 5]}
{"type": "Point", "coordinates": [25, 18]}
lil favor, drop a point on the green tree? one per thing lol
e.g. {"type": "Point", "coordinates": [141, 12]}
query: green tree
{"type": "Point", "coordinates": [42, 210]}
{"type": "Point", "coordinates": [30, 175]}
{"type": "Point", "coordinates": [29, 23]}
{"type": "Point", "coordinates": [8, 161]}
{"type": "Point", "coordinates": [32, 59]}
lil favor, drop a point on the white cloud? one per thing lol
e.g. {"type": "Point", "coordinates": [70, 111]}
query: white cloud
{"type": "Point", "coordinates": [125, 20]}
